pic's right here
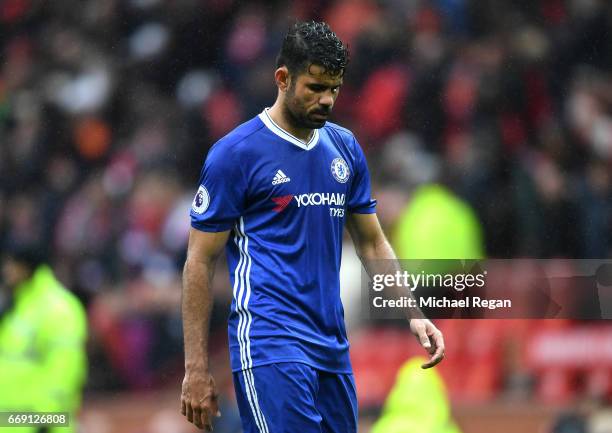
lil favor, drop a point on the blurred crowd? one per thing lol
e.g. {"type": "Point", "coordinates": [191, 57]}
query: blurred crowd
{"type": "Point", "coordinates": [108, 108]}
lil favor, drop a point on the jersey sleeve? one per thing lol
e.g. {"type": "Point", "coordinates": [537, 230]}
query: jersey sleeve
{"type": "Point", "coordinates": [219, 200]}
{"type": "Point", "coordinates": [360, 197]}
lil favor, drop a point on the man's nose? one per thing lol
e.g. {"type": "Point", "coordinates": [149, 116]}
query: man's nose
{"type": "Point", "coordinates": [327, 99]}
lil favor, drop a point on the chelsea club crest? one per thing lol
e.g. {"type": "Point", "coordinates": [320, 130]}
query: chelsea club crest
{"type": "Point", "coordinates": [340, 170]}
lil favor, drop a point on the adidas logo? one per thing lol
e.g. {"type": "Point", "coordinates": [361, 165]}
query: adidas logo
{"type": "Point", "coordinates": [280, 177]}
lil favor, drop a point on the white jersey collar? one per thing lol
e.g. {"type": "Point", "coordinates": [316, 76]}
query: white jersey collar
{"type": "Point", "coordinates": [272, 126]}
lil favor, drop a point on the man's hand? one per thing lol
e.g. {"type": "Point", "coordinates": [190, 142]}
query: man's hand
{"type": "Point", "coordinates": [199, 399]}
{"type": "Point", "coordinates": [430, 338]}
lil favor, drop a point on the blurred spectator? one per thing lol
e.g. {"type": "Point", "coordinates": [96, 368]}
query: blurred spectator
{"type": "Point", "coordinates": [43, 329]}
{"type": "Point", "coordinates": [437, 225]}
{"type": "Point", "coordinates": [570, 423]}
{"type": "Point", "coordinates": [417, 403]}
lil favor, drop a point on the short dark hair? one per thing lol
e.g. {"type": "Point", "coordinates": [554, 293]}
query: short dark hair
{"type": "Point", "coordinates": [313, 43]}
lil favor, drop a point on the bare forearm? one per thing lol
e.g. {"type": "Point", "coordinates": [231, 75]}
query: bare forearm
{"type": "Point", "coordinates": [376, 254]}
{"type": "Point", "coordinates": [378, 258]}
{"type": "Point", "coordinates": [196, 307]}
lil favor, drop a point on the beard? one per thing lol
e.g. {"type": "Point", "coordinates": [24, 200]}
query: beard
{"type": "Point", "coordinates": [297, 115]}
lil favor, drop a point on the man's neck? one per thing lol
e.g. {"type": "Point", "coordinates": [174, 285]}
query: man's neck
{"type": "Point", "coordinates": [278, 116]}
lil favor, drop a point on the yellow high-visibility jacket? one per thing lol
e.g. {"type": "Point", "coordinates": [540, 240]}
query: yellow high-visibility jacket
{"type": "Point", "coordinates": [417, 403]}
{"type": "Point", "coordinates": [436, 224]}
{"type": "Point", "coordinates": [43, 362]}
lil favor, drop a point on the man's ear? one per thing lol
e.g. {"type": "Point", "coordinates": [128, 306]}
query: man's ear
{"type": "Point", "coordinates": [282, 78]}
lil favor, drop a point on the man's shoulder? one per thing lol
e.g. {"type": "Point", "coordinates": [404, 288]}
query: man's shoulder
{"type": "Point", "coordinates": [234, 141]}
{"type": "Point", "coordinates": [344, 137]}
{"type": "Point", "coordinates": [336, 129]}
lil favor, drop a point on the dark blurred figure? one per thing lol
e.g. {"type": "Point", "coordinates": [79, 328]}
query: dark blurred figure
{"type": "Point", "coordinates": [569, 423]}
{"type": "Point", "coordinates": [43, 328]}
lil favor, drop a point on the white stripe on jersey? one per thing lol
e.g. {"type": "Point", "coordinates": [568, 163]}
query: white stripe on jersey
{"type": "Point", "coordinates": [244, 324]}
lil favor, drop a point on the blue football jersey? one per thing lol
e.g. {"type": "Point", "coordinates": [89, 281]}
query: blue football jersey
{"type": "Point", "coordinates": [285, 202]}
